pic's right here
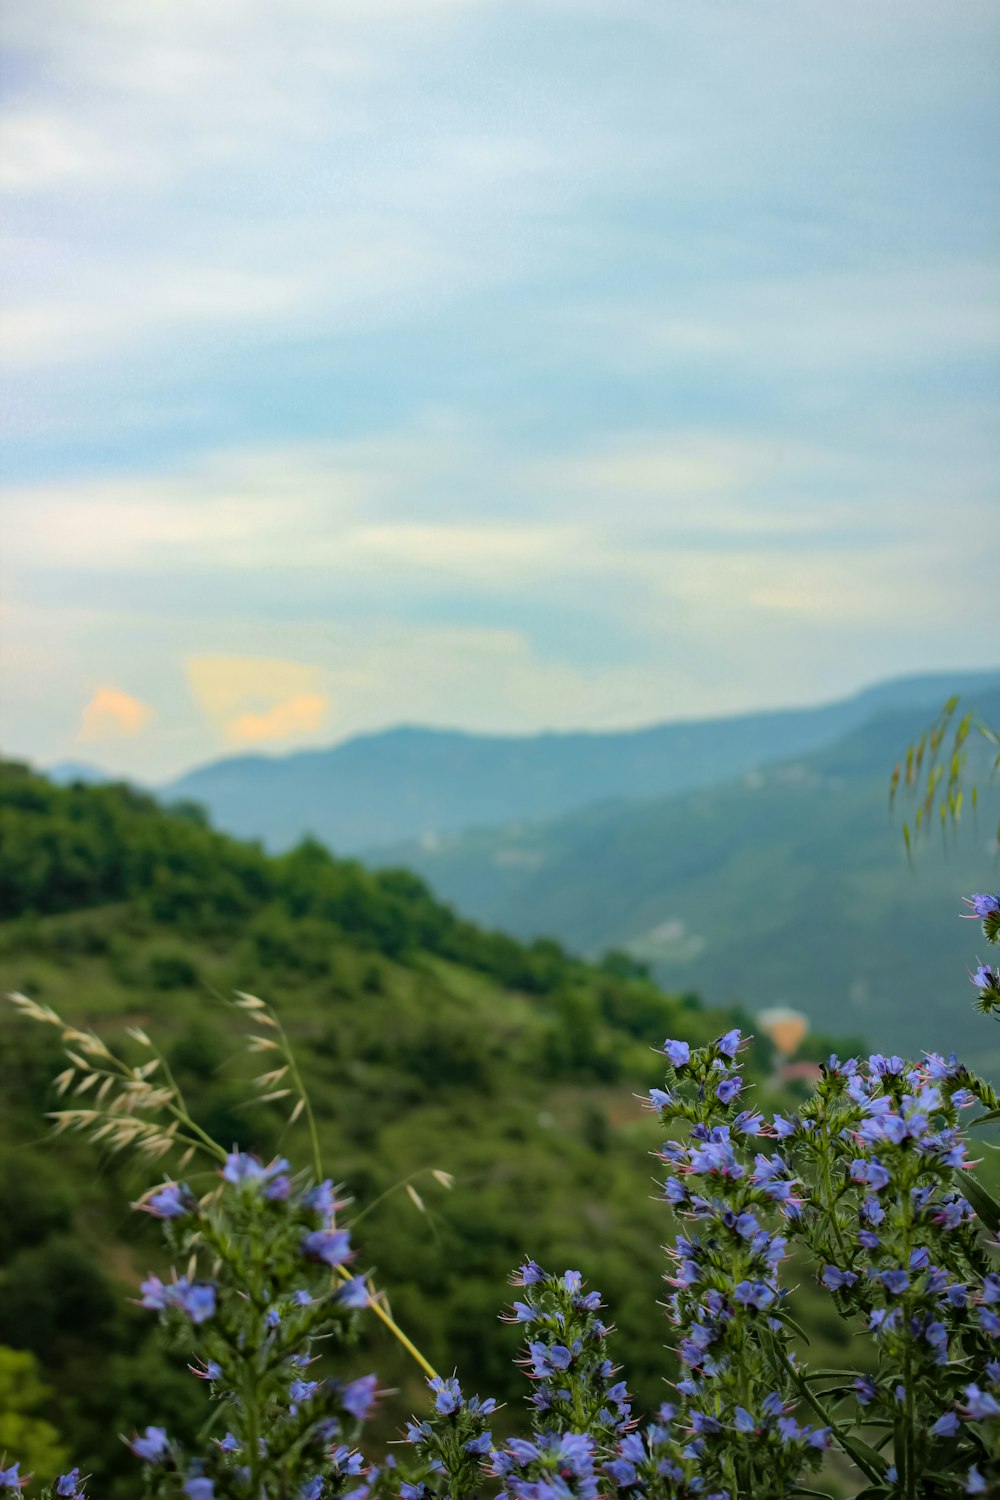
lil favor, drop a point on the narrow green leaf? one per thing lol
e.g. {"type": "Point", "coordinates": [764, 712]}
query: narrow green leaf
{"type": "Point", "coordinates": [866, 1458]}
{"type": "Point", "coordinates": [786, 1318]}
{"type": "Point", "coordinates": [983, 1202]}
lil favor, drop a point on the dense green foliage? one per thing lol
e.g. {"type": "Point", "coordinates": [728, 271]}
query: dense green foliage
{"type": "Point", "coordinates": [425, 1043]}
{"type": "Point", "coordinates": [779, 889]}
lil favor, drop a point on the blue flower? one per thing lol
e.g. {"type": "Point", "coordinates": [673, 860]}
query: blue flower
{"type": "Point", "coordinates": [447, 1394]}
{"type": "Point", "coordinates": [152, 1446]}
{"type": "Point", "coordinates": [988, 1321]}
{"type": "Point", "coordinates": [728, 1089]}
{"type": "Point", "coordinates": [353, 1293]}
{"type": "Point", "coordinates": [982, 906]}
{"type": "Point", "coordinates": [359, 1397]}
{"type": "Point", "coordinates": [332, 1246]}
{"type": "Point", "coordinates": [10, 1480]}
{"type": "Point", "coordinates": [69, 1485]}
{"type": "Point", "coordinates": [835, 1280]}
{"type": "Point", "coordinates": [872, 1172]}
{"type": "Point", "coordinates": [946, 1426]}
{"type": "Point", "coordinates": [199, 1488]}
{"type": "Point", "coordinates": [154, 1294]}
{"type": "Point", "coordinates": [197, 1299]}
{"type": "Point", "coordinates": [242, 1168]}
{"type": "Point", "coordinates": [529, 1274]}
{"type": "Point", "coordinates": [321, 1200]}
{"type": "Point", "coordinates": [980, 1404]}
{"type": "Point", "coordinates": [172, 1201]}
{"type": "Point", "coordinates": [886, 1066]}
{"type": "Point", "coordinates": [678, 1053]}
{"type": "Point", "coordinates": [729, 1044]}
{"type": "Point", "coordinates": [754, 1294]}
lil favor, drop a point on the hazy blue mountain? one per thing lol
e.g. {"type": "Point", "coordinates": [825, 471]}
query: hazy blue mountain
{"type": "Point", "coordinates": [788, 886]}
{"type": "Point", "coordinates": [413, 783]}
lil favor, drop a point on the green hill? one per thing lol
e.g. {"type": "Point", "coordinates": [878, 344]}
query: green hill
{"type": "Point", "coordinates": [789, 886]}
{"type": "Point", "coordinates": [426, 1043]}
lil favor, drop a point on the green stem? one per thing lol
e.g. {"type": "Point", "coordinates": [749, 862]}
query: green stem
{"type": "Point", "coordinates": [907, 1458]}
{"type": "Point", "coordinates": [403, 1181]}
{"type": "Point", "coordinates": [846, 1442]}
{"type": "Point", "coordinates": [830, 1209]}
{"type": "Point", "coordinates": [181, 1113]}
{"type": "Point", "coordinates": [293, 1068]}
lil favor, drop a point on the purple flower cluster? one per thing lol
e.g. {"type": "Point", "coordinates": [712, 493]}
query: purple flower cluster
{"type": "Point", "coordinates": [986, 977]}
{"type": "Point", "coordinates": [197, 1299]}
{"type": "Point", "coordinates": [575, 1383]}
{"type": "Point", "coordinates": [727, 1305]}
{"type": "Point", "coordinates": [552, 1466]}
{"type": "Point", "coordinates": [259, 1320]}
{"type": "Point", "coordinates": [450, 1447]}
{"type": "Point", "coordinates": [897, 1242]}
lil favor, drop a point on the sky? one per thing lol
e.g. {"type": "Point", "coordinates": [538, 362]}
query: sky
{"type": "Point", "coordinates": [500, 364]}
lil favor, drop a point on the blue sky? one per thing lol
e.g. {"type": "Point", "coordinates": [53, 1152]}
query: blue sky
{"type": "Point", "coordinates": [504, 365]}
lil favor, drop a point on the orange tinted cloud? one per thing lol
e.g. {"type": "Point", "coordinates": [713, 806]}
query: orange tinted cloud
{"type": "Point", "coordinates": [299, 715]}
{"type": "Point", "coordinates": [248, 698]}
{"type": "Point", "coordinates": [113, 714]}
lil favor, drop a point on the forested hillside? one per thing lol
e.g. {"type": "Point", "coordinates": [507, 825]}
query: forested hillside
{"type": "Point", "coordinates": [425, 1042]}
{"type": "Point", "coordinates": [790, 886]}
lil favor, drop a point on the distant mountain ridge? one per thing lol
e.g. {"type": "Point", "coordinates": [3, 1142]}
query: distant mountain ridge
{"type": "Point", "coordinates": [413, 783]}
{"type": "Point", "coordinates": [786, 886]}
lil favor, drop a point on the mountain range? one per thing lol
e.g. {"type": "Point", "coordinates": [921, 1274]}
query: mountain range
{"type": "Point", "coordinates": [417, 783]}
{"type": "Point", "coordinates": [787, 885]}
